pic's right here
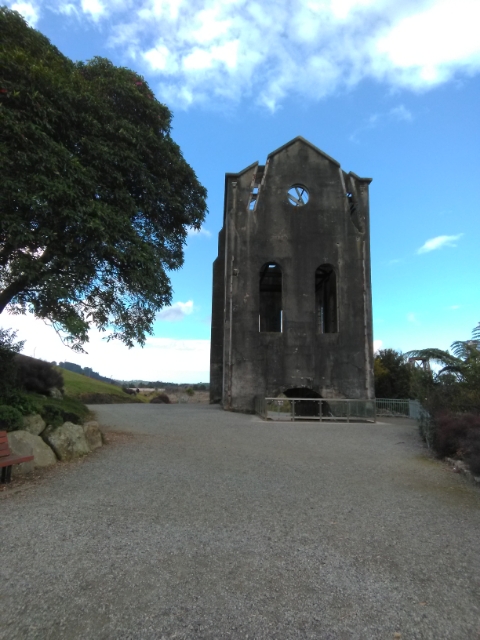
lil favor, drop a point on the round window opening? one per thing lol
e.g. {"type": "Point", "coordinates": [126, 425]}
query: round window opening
{"type": "Point", "coordinates": [297, 195]}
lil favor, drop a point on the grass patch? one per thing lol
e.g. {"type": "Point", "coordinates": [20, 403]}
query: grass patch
{"type": "Point", "coordinates": [91, 391]}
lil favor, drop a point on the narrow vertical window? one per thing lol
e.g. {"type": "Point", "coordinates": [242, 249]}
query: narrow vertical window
{"type": "Point", "coordinates": [326, 299]}
{"type": "Point", "coordinates": [270, 316]}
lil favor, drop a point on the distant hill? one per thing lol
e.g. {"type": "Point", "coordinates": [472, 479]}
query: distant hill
{"type": "Point", "coordinates": [85, 371]}
{"type": "Point", "coordinates": [92, 391]}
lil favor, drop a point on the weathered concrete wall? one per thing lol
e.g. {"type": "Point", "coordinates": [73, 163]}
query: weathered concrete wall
{"type": "Point", "coordinates": [332, 228]}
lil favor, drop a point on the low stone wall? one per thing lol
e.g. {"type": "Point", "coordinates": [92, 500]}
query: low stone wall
{"type": "Point", "coordinates": [49, 444]}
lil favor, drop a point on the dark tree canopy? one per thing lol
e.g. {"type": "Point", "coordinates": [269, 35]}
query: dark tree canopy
{"type": "Point", "coordinates": [95, 199]}
{"type": "Point", "coordinates": [392, 374]}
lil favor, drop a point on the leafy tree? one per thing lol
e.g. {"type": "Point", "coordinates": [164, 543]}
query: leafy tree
{"type": "Point", "coordinates": [96, 198]}
{"type": "Point", "coordinates": [392, 374]}
{"type": "Point", "coordinates": [8, 372]}
{"type": "Point", "coordinates": [457, 384]}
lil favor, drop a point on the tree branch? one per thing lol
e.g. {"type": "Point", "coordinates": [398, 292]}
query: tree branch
{"type": "Point", "coordinates": [13, 289]}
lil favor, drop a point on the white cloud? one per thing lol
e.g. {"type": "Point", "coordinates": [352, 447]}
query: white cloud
{"type": "Point", "coordinates": [161, 359]}
{"type": "Point", "coordinates": [28, 10]}
{"type": "Point", "coordinates": [176, 312]}
{"type": "Point", "coordinates": [226, 50]}
{"type": "Point", "coordinates": [199, 232]}
{"type": "Point", "coordinates": [160, 59]}
{"type": "Point", "coordinates": [438, 242]}
{"type": "Point", "coordinates": [94, 8]}
{"type": "Point", "coordinates": [427, 45]}
{"type": "Point", "coordinates": [377, 345]}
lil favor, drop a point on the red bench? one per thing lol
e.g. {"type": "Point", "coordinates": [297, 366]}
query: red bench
{"type": "Point", "coordinates": [7, 459]}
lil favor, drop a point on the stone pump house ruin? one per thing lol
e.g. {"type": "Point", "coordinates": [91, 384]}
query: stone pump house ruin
{"type": "Point", "coordinates": [292, 310]}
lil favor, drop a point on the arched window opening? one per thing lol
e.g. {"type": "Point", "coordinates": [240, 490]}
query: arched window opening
{"type": "Point", "coordinates": [270, 317]}
{"type": "Point", "coordinates": [326, 299]}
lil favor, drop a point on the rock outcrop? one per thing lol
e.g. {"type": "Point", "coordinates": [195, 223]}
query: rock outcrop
{"type": "Point", "coordinates": [53, 392]}
{"type": "Point", "coordinates": [34, 424]}
{"type": "Point", "coordinates": [68, 441]}
{"type": "Point", "coordinates": [25, 443]}
{"type": "Point", "coordinates": [93, 435]}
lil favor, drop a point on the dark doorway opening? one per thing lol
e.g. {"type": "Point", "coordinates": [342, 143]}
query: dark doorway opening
{"type": "Point", "coordinates": [305, 408]}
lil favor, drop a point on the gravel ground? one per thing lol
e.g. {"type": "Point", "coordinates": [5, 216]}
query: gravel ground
{"type": "Point", "coordinates": [196, 523]}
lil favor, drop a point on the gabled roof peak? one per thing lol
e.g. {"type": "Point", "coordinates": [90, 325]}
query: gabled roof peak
{"type": "Point", "coordinates": [304, 141]}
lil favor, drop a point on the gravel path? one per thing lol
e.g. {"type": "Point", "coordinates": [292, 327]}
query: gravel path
{"type": "Point", "coordinates": [196, 523]}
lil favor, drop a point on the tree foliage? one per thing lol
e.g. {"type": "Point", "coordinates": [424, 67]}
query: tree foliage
{"type": "Point", "coordinates": [8, 371]}
{"type": "Point", "coordinates": [392, 375]}
{"type": "Point", "coordinates": [457, 384]}
{"type": "Point", "coordinates": [96, 198]}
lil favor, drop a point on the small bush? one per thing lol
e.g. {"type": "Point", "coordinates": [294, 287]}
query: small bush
{"type": "Point", "coordinates": [130, 392]}
{"type": "Point", "coordinates": [8, 370]}
{"type": "Point", "coordinates": [56, 412]}
{"type": "Point", "coordinates": [451, 431]}
{"type": "Point", "coordinates": [161, 398]}
{"type": "Point", "coordinates": [22, 402]}
{"type": "Point", "coordinates": [472, 450]}
{"type": "Point", "coordinates": [190, 392]}
{"type": "Point", "coordinates": [10, 418]}
{"type": "Point", "coordinates": [37, 376]}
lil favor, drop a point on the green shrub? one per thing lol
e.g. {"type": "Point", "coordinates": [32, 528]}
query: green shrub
{"type": "Point", "coordinates": [160, 398]}
{"type": "Point", "coordinates": [56, 412]}
{"type": "Point", "coordinates": [190, 392]}
{"type": "Point", "coordinates": [22, 402]}
{"type": "Point", "coordinates": [8, 370]}
{"type": "Point", "coordinates": [10, 418]}
{"type": "Point", "coordinates": [37, 376]}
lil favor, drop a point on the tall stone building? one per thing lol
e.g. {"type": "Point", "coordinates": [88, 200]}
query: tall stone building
{"type": "Point", "coordinates": [292, 309]}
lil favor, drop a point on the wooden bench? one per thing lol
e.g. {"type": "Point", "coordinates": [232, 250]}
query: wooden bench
{"type": "Point", "coordinates": [7, 459]}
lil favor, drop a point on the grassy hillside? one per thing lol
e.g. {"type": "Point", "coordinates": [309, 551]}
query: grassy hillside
{"type": "Point", "coordinates": [93, 391]}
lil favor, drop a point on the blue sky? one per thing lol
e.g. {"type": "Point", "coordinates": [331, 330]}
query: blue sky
{"type": "Point", "coordinates": [391, 90]}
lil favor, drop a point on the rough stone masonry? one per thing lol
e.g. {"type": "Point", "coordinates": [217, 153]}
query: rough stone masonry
{"type": "Point", "coordinates": [292, 309]}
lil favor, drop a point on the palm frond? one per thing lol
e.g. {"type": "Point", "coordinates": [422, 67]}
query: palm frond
{"type": "Point", "coordinates": [458, 370]}
{"type": "Point", "coordinates": [461, 349]}
{"type": "Point", "coordinates": [436, 355]}
{"type": "Point", "coordinates": [476, 332]}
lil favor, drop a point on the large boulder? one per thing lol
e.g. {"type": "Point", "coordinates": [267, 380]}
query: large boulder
{"type": "Point", "coordinates": [53, 392]}
{"type": "Point", "coordinates": [68, 441]}
{"type": "Point", "coordinates": [93, 435]}
{"type": "Point", "coordinates": [34, 424]}
{"type": "Point", "coordinates": [25, 443]}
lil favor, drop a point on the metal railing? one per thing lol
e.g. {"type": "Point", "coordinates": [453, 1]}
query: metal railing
{"type": "Point", "coordinates": [394, 407]}
{"type": "Point", "coordinates": [321, 409]}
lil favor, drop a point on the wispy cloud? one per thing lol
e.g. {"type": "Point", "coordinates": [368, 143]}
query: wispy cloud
{"type": "Point", "coordinates": [438, 242]}
{"type": "Point", "coordinates": [411, 317]}
{"type": "Point", "coordinates": [222, 50]}
{"type": "Point", "coordinates": [199, 232]}
{"type": "Point", "coordinates": [377, 345]}
{"type": "Point", "coordinates": [401, 113]}
{"type": "Point", "coordinates": [176, 312]}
